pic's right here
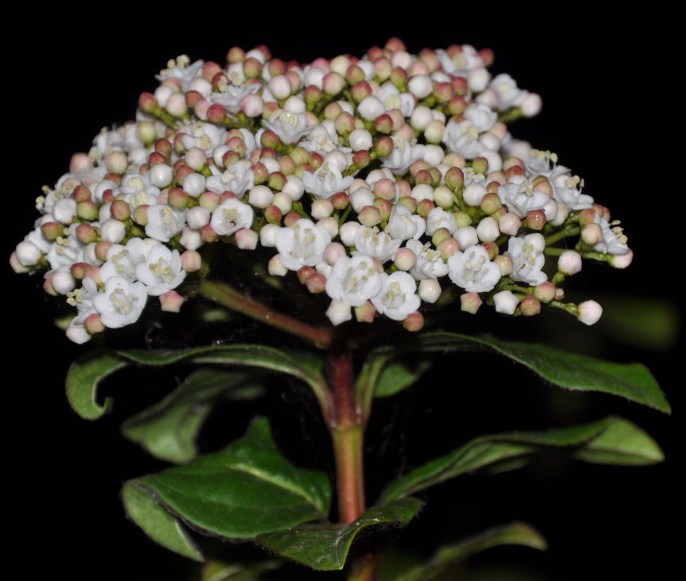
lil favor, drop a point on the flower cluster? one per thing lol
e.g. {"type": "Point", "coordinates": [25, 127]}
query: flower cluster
{"type": "Point", "coordinates": [383, 182]}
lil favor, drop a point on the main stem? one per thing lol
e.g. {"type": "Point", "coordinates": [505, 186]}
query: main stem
{"type": "Point", "coordinates": [347, 432]}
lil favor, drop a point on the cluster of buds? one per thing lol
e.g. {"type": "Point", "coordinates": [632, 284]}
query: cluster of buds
{"type": "Point", "coordinates": [384, 182]}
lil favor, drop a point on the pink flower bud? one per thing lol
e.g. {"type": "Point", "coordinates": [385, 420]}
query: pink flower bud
{"type": "Point", "coordinates": [509, 224]}
{"type": "Point", "coordinates": [209, 201]}
{"type": "Point", "coordinates": [429, 290]}
{"type": "Point", "coordinates": [247, 239]}
{"type": "Point", "coordinates": [334, 252]}
{"type": "Point", "coordinates": [404, 259]}
{"type": "Point", "coordinates": [276, 267]}
{"type": "Point", "coordinates": [505, 302]}
{"type": "Point", "coordinates": [280, 87]}
{"type": "Point", "coordinates": [569, 262]}
{"type": "Point", "coordinates": [120, 210]}
{"type": "Point", "coordinates": [365, 313]}
{"type": "Point", "coordinates": [16, 265]}
{"type": "Point", "coordinates": [338, 312]}
{"type": "Point", "coordinates": [504, 264]}
{"type": "Point", "coordinates": [470, 302]}
{"type": "Point", "coordinates": [316, 283]}
{"type": "Point", "coordinates": [448, 247]}
{"type": "Point", "coordinates": [62, 281]}
{"type": "Point", "coordinates": [252, 105]}
{"type": "Point", "coordinates": [79, 162]}
{"type": "Point", "coordinates": [140, 215]}
{"type": "Point", "coordinates": [93, 324]}
{"type": "Point", "coordinates": [370, 216]}
{"type": "Point", "coordinates": [531, 105]}
{"type": "Point", "coordinates": [414, 322]}
{"type": "Point", "coordinates": [171, 301]}
{"type": "Point", "coordinates": [589, 312]}
{"type": "Point", "coordinates": [545, 292]}
{"type": "Point", "coordinates": [191, 261]}
{"type": "Point", "coordinates": [591, 234]}
{"type": "Point", "coordinates": [536, 220]}
{"type": "Point", "coordinates": [621, 260]}
{"type": "Point", "coordinates": [530, 306]}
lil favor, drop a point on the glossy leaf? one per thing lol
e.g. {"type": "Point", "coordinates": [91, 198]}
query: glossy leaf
{"type": "Point", "coordinates": [564, 369]}
{"type": "Point", "coordinates": [325, 547]}
{"type": "Point", "coordinates": [83, 379]}
{"type": "Point", "coordinates": [397, 376]}
{"type": "Point", "coordinates": [245, 490]}
{"type": "Point", "coordinates": [162, 527]}
{"type": "Point", "coordinates": [168, 429]}
{"type": "Point", "coordinates": [516, 533]}
{"type": "Point", "coordinates": [609, 441]}
{"type": "Point", "coordinates": [86, 374]}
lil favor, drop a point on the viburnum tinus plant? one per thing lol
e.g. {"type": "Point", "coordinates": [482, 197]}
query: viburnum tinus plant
{"type": "Point", "coordinates": [362, 208]}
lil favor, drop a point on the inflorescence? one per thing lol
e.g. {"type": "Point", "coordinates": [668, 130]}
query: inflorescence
{"type": "Point", "coordinates": [382, 182]}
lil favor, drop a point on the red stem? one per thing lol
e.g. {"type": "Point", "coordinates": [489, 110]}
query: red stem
{"type": "Point", "coordinates": [347, 433]}
{"type": "Point", "coordinates": [228, 296]}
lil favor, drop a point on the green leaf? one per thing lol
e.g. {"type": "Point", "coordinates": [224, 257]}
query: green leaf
{"type": "Point", "coordinates": [245, 490]}
{"type": "Point", "coordinates": [143, 509]}
{"type": "Point", "coordinates": [168, 429]}
{"type": "Point", "coordinates": [568, 370]}
{"type": "Point", "coordinates": [398, 376]}
{"type": "Point", "coordinates": [83, 379]}
{"type": "Point", "coordinates": [610, 441]}
{"type": "Point", "coordinates": [325, 547]}
{"type": "Point", "coordinates": [85, 375]}
{"type": "Point", "coordinates": [248, 355]}
{"type": "Point", "coordinates": [516, 533]}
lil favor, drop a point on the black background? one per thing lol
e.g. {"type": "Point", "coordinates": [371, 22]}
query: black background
{"type": "Point", "coordinates": [607, 101]}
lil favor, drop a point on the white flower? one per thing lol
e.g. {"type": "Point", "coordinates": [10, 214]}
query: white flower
{"type": "Point", "coordinates": [164, 222]}
{"type": "Point", "coordinates": [567, 189]}
{"type": "Point", "coordinates": [326, 181]}
{"type": "Point", "coordinates": [302, 244]}
{"type": "Point", "coordinates": [231, 216]}
{"type": "Point", "coordinates": [403, 156]}
{"type": "Point", "coordinates": [507, 92]}
{"type": "Point", "coordinates": [463, 137]}
{"type": "Point", "coordinates": [121, 303]}
{"type": "Point", "coordinates": [82, 299]}
{"type": "Point", "coordinates": [398, 296]}
{"type": "Point", "coordinates": [430, 263]}
{"type": "Point", "coordinates": [181, 68]}
{"type": "Point", "coordinates": [231, 95]}
{"type": "Point", "coordinates": [289, 127]}
{"type": "Point", "coordinates": [374, 243]}
{"type": "Point", "coordinates": [138, 190]}
{"type": "Point", "coordinates": [480, 116]}
{"type": "Point", "coordinates": [392, 98]}
{"type": "Point", "coordinates": [66, 250]}
{"type": "Point", "coordinates": [204, 136]}
{"type": "Point", "coordinates": [472, 270]}
{"type": "Point", "coordinates": [238, 178]}
{"type": "Point", "coordinates": [354, 280]}
{"type": "Point", "coordinates": [161, 271]}
{"type": "Point", "coordinates": [119, 263]}
{"type": "Point", "coordinates": [527, 259]}
{"type": "Point", "coordinates": [614, 240]}
{"type": "Point", "coordinates": [323, 138]}
{"type": "Point", "coordinates": [505, 302]}
{"type": "Point", "coordinates": [403, 224]}
{"type": "Point", "coordinates": [439, 218]}
{"type": "Point", "coordinates": [520, 197]}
